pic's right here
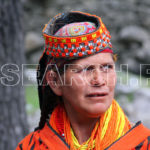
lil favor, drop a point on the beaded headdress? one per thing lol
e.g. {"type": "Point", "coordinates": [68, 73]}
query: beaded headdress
{"type": "Point", "coordinates": [75, 46]}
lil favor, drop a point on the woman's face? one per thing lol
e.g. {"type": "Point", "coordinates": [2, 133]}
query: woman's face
{"type": "Point", "coordinates": [89, 85]}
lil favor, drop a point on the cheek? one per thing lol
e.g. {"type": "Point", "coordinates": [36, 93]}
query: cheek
{"type": "Point", "coordinates": [111, 80]}
{"type": "Point", "coordinates": [71, 96]}
{"type": "Point", "coordinates": [74, 80]}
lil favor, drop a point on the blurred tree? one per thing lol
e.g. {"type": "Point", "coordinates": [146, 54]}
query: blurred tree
{"type": "Point", "coordinates": [13, 121]}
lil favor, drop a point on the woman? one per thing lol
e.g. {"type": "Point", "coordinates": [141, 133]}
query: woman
{"type": "Point", "coordinates": [76, 78]}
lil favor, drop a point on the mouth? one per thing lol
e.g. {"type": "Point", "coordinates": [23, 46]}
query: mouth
{"type": "Point", "coordinates": [97, 94]}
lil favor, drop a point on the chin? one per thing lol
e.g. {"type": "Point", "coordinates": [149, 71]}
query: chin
{"type": "Point", "coordinates": [95, 115]}
{"type": "Point", "coordinates": [98, 110]}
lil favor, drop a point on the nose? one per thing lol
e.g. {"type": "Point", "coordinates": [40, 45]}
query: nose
{"type": "Point", "coordinates": [97, 78]}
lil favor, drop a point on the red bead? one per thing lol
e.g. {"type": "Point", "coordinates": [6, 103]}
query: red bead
{"type": "Point", "coordinates": [104, 45]}
{"type": "Point", "coordinates": [52, 54]}
{"type": "Point", "coordinates": [46, 42]}
{"type": "Point", "coordinates": [80, 54]}
{"type": "Point", "coordinates": [61, 45]}
{"type": "Point", "coordinates": [86, 43]}
{"type": "Point", "coordinates": [107, 35]}
{"type": "Point", "coordinates": [99, 43]}
{"type": "Point", "coordinates": [74, 50]}
{"type": "Point", "coordinates": [63, 54]}
{"type": "Point", "coordinates": [83, 49]}
{"type": "Point", "coordinates": [66, 50]}
{"type": "Point", "coordinates": [57, 54]}
{"type": "Point", "coordinates": [77, 45]}
{"type": "Point", "coordinates": [51, 44]}
{"type": "Point", "coordinates": [54, 50]}
{"type": "Point", "coordinates": [71, 54]}
{"type": "Point", "coordinates": [49, 48]}
{"type": "Point", "coordinates": [98, 33]}
{"type": "Point", "coordinates": [69, 45]}
{"type": "Point", "coordinates": [101, 36]}
{"type": "Point", "coordinates": [59, 51]}
{"type": "Point", "coordinates": [47, 52]}
{"type": "Point", "coordinates": [91, 46]}
{"type": "Point", "coordinates": [56, 45]}
{"type": "Point", "coordinates": [108, 40]}
{"type": "Point", "coordinates": [95, 40]}
{"type": "Point", "coordinates": [97, 48]}
{"type": "Point", "coordinates": [89, 52]}
{"type": "Point", "coordinates": [104, 38]}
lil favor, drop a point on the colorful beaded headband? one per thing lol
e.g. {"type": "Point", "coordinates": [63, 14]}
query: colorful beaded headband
{"type": "Point", "coordinates": [76, 46]}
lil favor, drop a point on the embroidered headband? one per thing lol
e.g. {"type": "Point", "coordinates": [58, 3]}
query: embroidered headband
{"type": "Point", "coordinates": [76, 34]}
{"type": "Point", "coordinates": [76, 29]}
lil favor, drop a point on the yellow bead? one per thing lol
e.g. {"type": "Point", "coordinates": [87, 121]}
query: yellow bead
{"type": "Point", "coordinates": [63, 40]}
{"type": "Point", "coordinates": [84, 38]}
{"type": "Point", "coordinates": [101, 31]}
{"type": "Point", "coordinates": [50, 39]}
{"type": "Point", "coordinates": [93, 35]}
{"type": "Point", "coordinates": [73, 40]}
{"type": "Point", "coordinates": [55, 40]}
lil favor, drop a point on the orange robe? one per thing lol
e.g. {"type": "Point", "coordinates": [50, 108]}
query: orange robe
{"type": "Point", "coordinates": [137, 138]}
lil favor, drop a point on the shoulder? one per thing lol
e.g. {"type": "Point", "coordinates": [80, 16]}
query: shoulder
{"type": "Point", "coordinates": [28, 141]}
{"type": "Point", "coordinates": [145, 144]}
{"type": "Point", "coordinates": [136, 138]}
{"type": "Point", "coordinates": [45, 138]}
{"type": "Point", "coordinates": [143, 135]}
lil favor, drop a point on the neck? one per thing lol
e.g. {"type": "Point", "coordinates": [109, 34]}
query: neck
{"type": "Point", "coordinates": [82, 125]}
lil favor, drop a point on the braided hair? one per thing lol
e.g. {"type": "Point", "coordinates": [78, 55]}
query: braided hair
{"type": "Point", "coordinates": [48, 100]}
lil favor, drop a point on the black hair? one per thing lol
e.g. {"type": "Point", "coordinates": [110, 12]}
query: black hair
{"type": "Point", "coordinates": [48, 100]}
{"type": "Point", "coordinates": [66, 18]}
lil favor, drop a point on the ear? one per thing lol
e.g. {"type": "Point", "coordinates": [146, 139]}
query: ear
{"type": "Point", "coordinates": [54, 81]}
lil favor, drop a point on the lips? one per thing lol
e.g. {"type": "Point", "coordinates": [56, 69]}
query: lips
{"type": "Point", "coordinates": [99, 94]}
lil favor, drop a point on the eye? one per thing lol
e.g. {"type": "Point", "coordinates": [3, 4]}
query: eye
{"type": "Point", "coordinates": [78, 70]}
{"type": "Point", "coordinates": [107, 67]}
{"type": "Point", "coordinates": [89, 68]}
{"type": "Point", "coordinates": [74, 70]}
{"type": "Point", "coordinates": [85, 69]}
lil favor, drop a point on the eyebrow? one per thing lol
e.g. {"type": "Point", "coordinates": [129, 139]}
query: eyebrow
{"type": "Point", "coordinates": [78, 66]}
{"type": "Point", "coordinates": [102, 64]}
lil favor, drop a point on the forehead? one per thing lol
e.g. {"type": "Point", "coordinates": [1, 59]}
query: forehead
{"type": "Point", "coordinates": [100, 58]}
